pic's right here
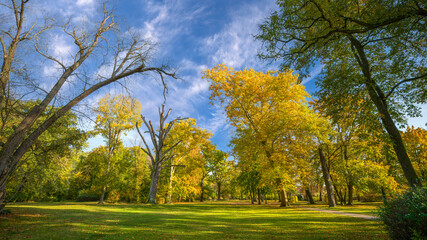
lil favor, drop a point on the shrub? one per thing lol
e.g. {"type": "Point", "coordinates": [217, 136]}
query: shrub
{"type": "Point", "coordinates": [406, 216]}
{"type": "Point", "coordinates": [87, 197]}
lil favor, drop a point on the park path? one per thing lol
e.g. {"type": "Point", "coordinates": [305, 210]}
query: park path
{"type": "Point", "coordinates": [356, 215]}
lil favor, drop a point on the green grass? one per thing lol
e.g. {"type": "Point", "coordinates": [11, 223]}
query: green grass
{"type": "Point", "coordinates": [367, 208]}
{"type": "Point", "coordinates": [179, 221]}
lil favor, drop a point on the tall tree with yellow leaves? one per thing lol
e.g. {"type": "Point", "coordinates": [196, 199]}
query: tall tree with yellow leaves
{"type": "Point", "coordinates": [274, 109]}
{"type": "Point", "coordinates": [116, 115]}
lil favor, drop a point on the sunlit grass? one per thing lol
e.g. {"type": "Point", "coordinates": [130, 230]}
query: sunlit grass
{"type": "Point", "coordinates": [367, 208]}
{"type": "Point", "coordinates": [179, 221]}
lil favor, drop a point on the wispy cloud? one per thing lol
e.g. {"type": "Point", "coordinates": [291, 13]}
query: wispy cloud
{"type": "Point", "coordinates": [235, 44]}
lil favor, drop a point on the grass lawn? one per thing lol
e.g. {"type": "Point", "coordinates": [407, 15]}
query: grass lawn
{"type": "Point", "coordinates": [179, 221]}
{"type": "Point", "coordinates": [367, 208]}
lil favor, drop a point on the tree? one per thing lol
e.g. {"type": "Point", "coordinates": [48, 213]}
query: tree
{"type": "Point", "coordinates": [116, 115]}
{"type": "Point", "coordinates": [125, 55]}
{"type": "Point", "coordinates": [374, 44]}
{"type": "Point", "coordinates": [44, 171]}
{"type": "Point", "coordinates": [160, 155]}
{"type": "Point", "coordinates": [189, 150]}
{"type": "Point", "coordinates": [219, 168]}
{"type": "Point", "coordinates": [272, 111]}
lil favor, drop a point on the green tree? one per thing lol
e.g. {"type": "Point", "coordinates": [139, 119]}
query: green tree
{"type": "Point", "coordinates": [373, 44]}
{"type": "Point", "coordinates": [116, 115]}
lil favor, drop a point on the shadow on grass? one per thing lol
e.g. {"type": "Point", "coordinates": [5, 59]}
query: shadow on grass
{"type": "Point", "coordinates": [180, 221]}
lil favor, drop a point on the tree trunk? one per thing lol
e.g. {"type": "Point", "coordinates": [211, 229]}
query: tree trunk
{"type": "Point", "coordinates": [259, 196]}
{"type": "Point", "coordinates": [378, 98]}
{"type": "Point", "coordinates": [219, 190]}
{"type": "Point", "coordinates": [350, 193]}
{"type": "Point", "coordinates": [202, 186]}
{"type": "Point", "coordinates": [252, 196]}
{"type": "Point", "coordinates": [327, 179]}
{"type": "Point", "coordinates": [282, 194]}
{"type": "Point", "coordinates": [155, 176]}
{"type": "Point", "coordinates": [169, 199]}
{"type": "Point", "coordinates": [2, 196]}
{"type": "Point", "coordinates": [101, 199]}
{"type": "Point", "coordinates": [309, 196]}
{"type": "Point", "coordinates": [320, 194]}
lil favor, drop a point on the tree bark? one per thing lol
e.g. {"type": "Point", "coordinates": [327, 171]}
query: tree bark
{"type": "Point", "coordinates": [282, 194]}
{"type": "Point", "coordinates": [155, 176]}
{"type": "Point", "coordinates": [309, 196]}
{"type": "Point", "coordinates": [378, 98]}
{"type": "Point", "coordinates": [327, 179]}
{"type": "Point", "coordinates": [169, 199]}
{"type": "Point", "coordinates": [259, 196]}
{"type": "Point", "coordinates": [2, 196]}
{"type": "Point", "coordinates": [101, 198]}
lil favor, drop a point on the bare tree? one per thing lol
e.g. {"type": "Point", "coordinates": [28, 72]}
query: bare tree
{"type": "Point", "coordinates": [160, 154]}
{"type": "Point", "coordinates": [127, 55]}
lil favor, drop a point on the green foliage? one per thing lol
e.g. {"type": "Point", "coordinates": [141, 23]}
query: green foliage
{"type": "Point", "coordinates": [43, 174]}
{"type": "Point", "coordinates": [406, 216]}
{"type": "Point", "coordinates": [85, 196]}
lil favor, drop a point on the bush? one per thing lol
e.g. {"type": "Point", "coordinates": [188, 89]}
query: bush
{"type": "Point", "coordinates": [406, 216]}
{"type": "Point", "coordinates": [87, 197]}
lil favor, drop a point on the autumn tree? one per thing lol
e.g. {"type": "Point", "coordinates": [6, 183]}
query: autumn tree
{"type": "Point", "coordinates": [125, 55]}
{"type": "Point", "coordinates": [416, 143]}
{"type": "Point", "coordinates": [374, 45]}
{"type": "Point", "coordinates": [116, 115]}
{"type": "Point", "coordinates": [273, 110]}
{"type": "Point", "coordinates": [189, 150]}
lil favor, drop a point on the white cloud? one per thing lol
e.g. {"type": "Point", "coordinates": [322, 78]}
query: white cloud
{"type": "Point", "coordinates": [235, 44]}
{"type": "Point", "coordinates": [84, 2]}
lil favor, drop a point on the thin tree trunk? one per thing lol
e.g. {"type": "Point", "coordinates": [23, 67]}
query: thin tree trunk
{"type": "Point", "coordinates": [309, 196]}
{"type": "Point", "coordinates": [327, 179]}
{"type": "Point", "coordinates": [259, 196]}
{"type": "Point", "coordinates": [378, 98]}
{"type": "Point", "coordinates": [320, 194]}
{"type": "Point", "coordinates": [202, 186]}
{"type": "Point", "coordinates": [251, 192]}
{"type": "Point", "coordinates": [219, 190]}
{"type": "Point", "coordinates": [169, 199]}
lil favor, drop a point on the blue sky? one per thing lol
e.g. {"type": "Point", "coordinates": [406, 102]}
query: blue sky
{"type": "Point", "coordinates": [191, 36]}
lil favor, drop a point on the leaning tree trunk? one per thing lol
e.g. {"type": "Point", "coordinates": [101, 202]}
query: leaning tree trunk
{"type": "Point", "coordinates": [327, 178]}
{"type": "Point", "coordinates": [380, 101]}
{"type": "Point", "coordinates": [309, 196]}
{"type": "Point", "coordinates": [155, 176]}
{"type": "Point", "coordinates": [2, 196]}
